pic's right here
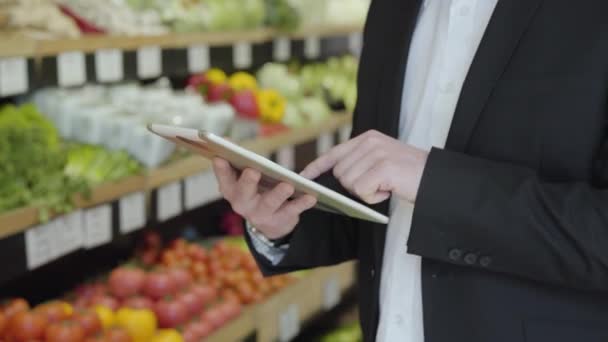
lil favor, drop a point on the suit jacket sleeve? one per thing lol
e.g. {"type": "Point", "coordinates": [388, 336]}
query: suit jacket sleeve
{"type": "Point", "coordinates": [505, 218]}
{"type": "Point", "coordinates": [319, 239]}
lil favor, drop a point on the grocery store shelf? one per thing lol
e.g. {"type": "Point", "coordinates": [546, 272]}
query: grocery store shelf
{"type": "Point", "coordinates": [306, 298]}
{"type": "Point", "coordinates": [21, 219]}
{"type": "Point", "coordinates": [21, 45]}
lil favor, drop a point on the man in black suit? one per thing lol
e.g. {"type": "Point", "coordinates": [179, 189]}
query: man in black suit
{"type": "Point", "coordinates": [510, 216]}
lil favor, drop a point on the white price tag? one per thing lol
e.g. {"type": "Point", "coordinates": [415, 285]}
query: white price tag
{"type": "Point", "coordinates": [282, 49]}
{"type": "Point", "coordinates": [325, 142]}
{"type": "Point", "coordinates": [345, 133]}
{"type": "Point", "coordinates": [312, 47]}
{"type": "Point", "coordinates": [108, 65]}
{"type": "Point", "coordinates": [198, 58]}
{"type": "Point", "coordinates": [289, 323]}
{"type": "Point", "coordinates": [200, 190]}
{"type": "Point", "coordinates": [331, 293]}
{"type": "Point", "coordinates": [242, 56]}
{"type": "Point", "coordinates": [149, 62]}
{"type": "Point", "coordinates": [355, 43]}
{"type": "Point", "coordinates": [39, 245]}
{"type": "Point", "coordinates": [13, 76]}
{"type": "Point", "coordinates": [97, 226]}
{"type": "Point", "coordinates": [169, 201]}
{"type": "Point", "coordinates": [132, 212]}
{"type": "Point", "coordinates": [286, 157]}
{"type": "Point", "coordinates": [71, 69]}
{"type": "Point", "coordinates": [69, 233]}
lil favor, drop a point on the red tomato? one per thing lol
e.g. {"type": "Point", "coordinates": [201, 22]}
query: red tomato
{"type": "Point", "coordinates": [116, 334]}
{"type": "Point", "coordinates": [66, 331]}
{"type": "Point", "coordinates": [125, 282]}
{"type": "Point", "coordinates": [205, 292]}
{"type": "Point", "coordinates": [181, 277]}
{"type": "Point", "coordinates": [99, 337]}
{"type": "Point", "coordinates": [159, 285]}
{"type": "Point", "coordinates": [139, 302]}
{"type": "Point", "coordinates": [26, 326]}
{"type": "Point", "coordinates": [89, 321]}
{"type": "Point", "coordinates": [193, 301]}
{"type": "Point", "coordinates": [107, 301]}
{"type": "Point", "coordinates": [15, 306]}
{"type": "Point", "coordinates": [171, 313]}
{"type": "Point", "coordinates": [2, 322]}
{"type": "Point", "coordinates": [53, 311]}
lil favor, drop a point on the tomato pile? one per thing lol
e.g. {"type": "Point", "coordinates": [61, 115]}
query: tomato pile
{"type": "Point", "coordinates": [183, 292]}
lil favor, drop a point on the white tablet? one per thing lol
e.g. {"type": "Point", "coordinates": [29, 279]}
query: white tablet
{"type": "Point", "coordinates": [210, 145]}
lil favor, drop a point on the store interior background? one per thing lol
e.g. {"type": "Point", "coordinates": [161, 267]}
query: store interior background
{"type": "Point", "coordinates": [94, 209]}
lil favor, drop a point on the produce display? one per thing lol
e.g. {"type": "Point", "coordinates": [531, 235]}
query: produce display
{"type": "Point", "coordinates": [37, 168]}
{"type": "Point", "coordinates": [182, 292]}
{"type": "Point", "coordinates": [71, 18]}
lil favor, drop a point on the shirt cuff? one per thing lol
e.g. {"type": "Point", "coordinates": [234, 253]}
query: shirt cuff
{"type": "Point", "coordinates": [265, 248]}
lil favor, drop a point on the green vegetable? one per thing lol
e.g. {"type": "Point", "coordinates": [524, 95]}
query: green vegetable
{"type": "Point", "coordinates": [282, 16]}
{"type": "Point", "coordinates": [31, 163]}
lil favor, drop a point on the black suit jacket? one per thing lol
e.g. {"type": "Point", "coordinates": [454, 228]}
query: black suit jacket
{"type": "Point", "coordinates": [511, 219]}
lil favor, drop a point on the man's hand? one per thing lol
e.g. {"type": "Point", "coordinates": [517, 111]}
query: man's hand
{"type": "Point", "coordinates": [271, 212]}
{"type": "Point", "coordinates": [373, 166]}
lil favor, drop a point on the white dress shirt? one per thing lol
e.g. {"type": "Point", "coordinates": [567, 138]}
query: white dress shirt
{"type": "Point", "coordinates": [444, 43]}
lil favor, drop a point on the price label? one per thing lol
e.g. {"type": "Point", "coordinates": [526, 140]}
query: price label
{"type": "Point", "coordinates": [282, 49]}
{"type": "Point", "coordinates": [39, 245]}
{"type": "Point", "coordinates": [242, 55]}
{"type": "Point", "coordinates": [289, 323]}
{"type": "Point", "coordinates": [69, 233]}
{"type": "Point", "coordinates": [355, 43]}
{"type": "Point", "coordinates": [344, 133]}
{"type": "Point", "coordinates": [324, 143]}
{"type": "Point", "coordinates": [149, 62]}
{"type": "Point", "coordinates": [200, 190]}
{"type": "Point", "coordinates": [198, 58]}
{"type": "Point", "coordinates": [286, 157]}
{"type": "Point", "coordinates": [13, 76]}
{"type": "Point", "coordinates": [331, 293]}
{"type": "Point", "coordinates": [312, 47]}
{"type": "Point", "coordinates": [108, 65]}
{"type": "Point", "coordinates": [132, 212]}
{"type": "Point", "coordinates": [169, 201]}
{"type": "Point", "coordinates": [71, 69]}
{"type": "Point", "coordinates": [97, 226]}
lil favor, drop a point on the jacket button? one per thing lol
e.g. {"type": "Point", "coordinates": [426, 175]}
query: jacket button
{"type": "Point", "coordinates": [485, 261]}
{"type": "Point", "coordinates": [470, 259]}
{"type": "Point", "coordinates": [372, 273]}
{"type": "Point", "coordinates": [455, 254]}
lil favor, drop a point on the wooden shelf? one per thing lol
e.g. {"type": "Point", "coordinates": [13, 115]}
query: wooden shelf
{"type": "Point", "coordinates": [21, 45]}
{"type": "Point", "coordinates": [21, 219]}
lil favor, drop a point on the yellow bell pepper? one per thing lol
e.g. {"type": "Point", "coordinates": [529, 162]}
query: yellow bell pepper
{"type": "Point", "coordinates": [243, 81]}
{"type": "Point", "coordinates": [216, 76]}
{"type": "Point", "coordinates": [272, 105]}
{"type": "Point", "coordinates": [140, 324]}
{"type": "Point", "coordinates": [106, 316]}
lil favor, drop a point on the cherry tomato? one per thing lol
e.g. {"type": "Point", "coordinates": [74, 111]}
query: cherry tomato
{"type": "Point", "coordinates": [53, 311]}
{"type": "Point", "coordinates": [181, 277]}
{"type": "Point", "coordinates": [171, 313]}
{"type": "Point", "coordinates": [139, 302]}
{"type": "Point", "coordinates": [116, 334]}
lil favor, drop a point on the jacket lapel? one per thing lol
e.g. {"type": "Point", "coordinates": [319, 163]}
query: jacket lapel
{"type": "Point", "coordinates": [401, 17]}
{"type": "Point", "coordinates": [508, 24]}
